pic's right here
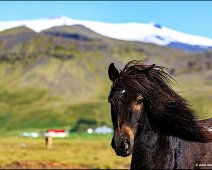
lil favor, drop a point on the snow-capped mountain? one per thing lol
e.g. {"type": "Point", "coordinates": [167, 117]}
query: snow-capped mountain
{"type": "Point", "coordinates": [144, 32]}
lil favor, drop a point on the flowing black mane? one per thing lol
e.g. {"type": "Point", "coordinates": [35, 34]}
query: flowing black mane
{"type": "Point", "coordinates": [167, 112]}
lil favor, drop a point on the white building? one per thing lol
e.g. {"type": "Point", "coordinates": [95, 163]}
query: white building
{"type": "Point", "coordinates": [103, 130]}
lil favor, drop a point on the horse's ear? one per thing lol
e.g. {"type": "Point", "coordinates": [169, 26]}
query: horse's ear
{"type": "Point", "coordinates": [113, 73]}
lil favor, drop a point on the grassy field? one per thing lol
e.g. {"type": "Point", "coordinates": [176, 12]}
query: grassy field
{"type": "Point", "coordinates": [89, 151]}
{"type": "Point", "coordinates": [34, 109]}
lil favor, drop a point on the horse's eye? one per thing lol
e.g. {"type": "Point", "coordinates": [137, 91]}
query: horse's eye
{"type": "Point", "coordinates": [140, 101]}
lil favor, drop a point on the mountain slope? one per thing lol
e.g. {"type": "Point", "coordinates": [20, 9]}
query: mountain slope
{"type": "Point", "coordinates": [14, 36]}
{"type": "Point", "coordinates": [143, 32]}
{"type": "Point", "coordinates": [58, 79]}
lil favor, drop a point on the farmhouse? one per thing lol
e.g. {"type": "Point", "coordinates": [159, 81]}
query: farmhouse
{"type": "Point", "coordinates": [59, 133]}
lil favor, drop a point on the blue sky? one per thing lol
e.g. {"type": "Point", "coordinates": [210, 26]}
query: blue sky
{"type": "Point", "coordinates": [189, 17]}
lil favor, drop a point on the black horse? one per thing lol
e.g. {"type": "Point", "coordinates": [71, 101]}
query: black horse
{"type": "Point", "coordinates": [154, 123]}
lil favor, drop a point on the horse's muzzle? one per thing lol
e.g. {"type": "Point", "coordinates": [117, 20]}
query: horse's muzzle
{"type": "Point", "coordinates": [122, 147]}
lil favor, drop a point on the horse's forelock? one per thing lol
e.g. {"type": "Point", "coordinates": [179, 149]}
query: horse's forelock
{"type": "Point", "coordinates": [140, 77]}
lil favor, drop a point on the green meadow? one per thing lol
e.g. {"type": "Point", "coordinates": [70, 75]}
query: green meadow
{"type": "Point", "coordinates": [83, 150]}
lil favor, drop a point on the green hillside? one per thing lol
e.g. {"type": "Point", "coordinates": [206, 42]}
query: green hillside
{"type": "Point", "coordinates": [58, 78]}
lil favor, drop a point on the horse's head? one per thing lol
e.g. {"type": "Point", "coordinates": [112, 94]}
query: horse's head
{"type": "Point", "coordinates": [140, 96]}
{"type": "Point", "coordinates": [126, 109]}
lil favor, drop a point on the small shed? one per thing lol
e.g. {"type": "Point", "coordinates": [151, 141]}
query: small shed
{"type": "Point", "coordinates": [58, 133]}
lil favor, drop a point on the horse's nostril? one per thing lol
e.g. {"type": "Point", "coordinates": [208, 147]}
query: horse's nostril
{"type": "Point", "coordinates": [127, 144]}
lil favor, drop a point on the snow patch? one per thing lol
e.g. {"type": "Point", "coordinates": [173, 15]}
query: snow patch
{"type": "Point", "coordinates": [144, 32]}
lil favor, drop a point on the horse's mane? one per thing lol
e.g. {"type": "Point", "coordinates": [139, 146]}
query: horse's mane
{"type": "Point", "coordinates": [167, 111]}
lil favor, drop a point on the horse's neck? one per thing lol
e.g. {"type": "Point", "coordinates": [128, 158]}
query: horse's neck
{"type": "Point", "coordinates": [152, 149]}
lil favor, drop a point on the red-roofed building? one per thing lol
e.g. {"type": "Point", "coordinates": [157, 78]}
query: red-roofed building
{"type": "Point", "coordinates": [60, 133]}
